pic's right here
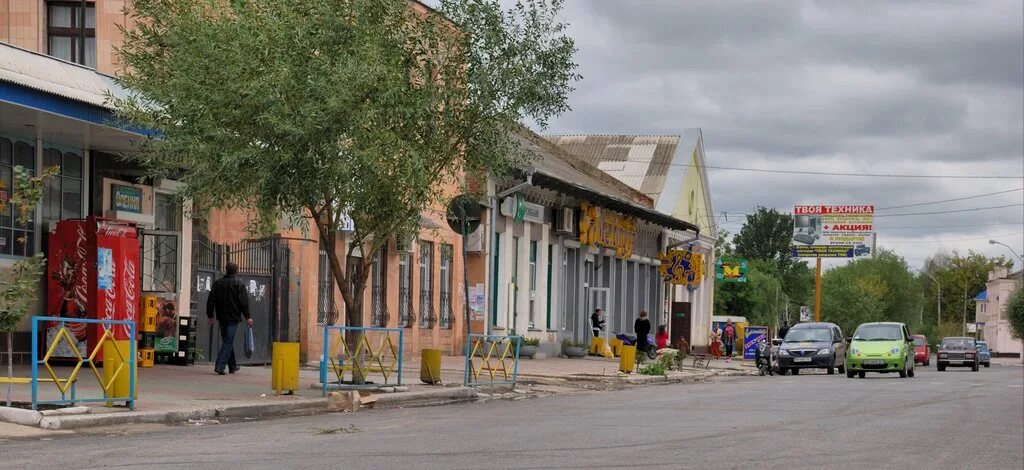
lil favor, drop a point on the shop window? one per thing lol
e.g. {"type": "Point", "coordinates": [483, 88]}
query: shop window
{"type": "Point", "coordinates": [427, 314]}
{"type": "Point", "coordinates": [533, 282]}
{"type": "Point", "coordinates": [326, 307]}
{"type": "Point", "coordinates": [62, 197]}
{"type": "Point", "coordinates": [15, 239]}
{"type": "Point", "coordinates": [495, 263]}
{"type": "Point", "coordinates": [514, 291]}
{"type": "Point", "coordinates": [166, 214]}
{"type": "Point", "coordinates": [551, 252]}
{"type": "Point", "coordinates": [379, 309]}
{"type": "Point", "coordinates": [65, 31]}
{"type": "Point", "coordinates": [159, 262]}
{"type": "Point", "coordinates": [406, 314]}
{"type": "Point", "coordinates": [447, 315]}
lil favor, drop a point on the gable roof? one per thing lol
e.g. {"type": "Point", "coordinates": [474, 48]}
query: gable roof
{"type": "Point", "coordinates": [640, 161]}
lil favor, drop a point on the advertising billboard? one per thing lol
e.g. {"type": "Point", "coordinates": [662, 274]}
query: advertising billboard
{"type": "Point", "coordinates": [752, 336]}
{"type": "Point", "coordinates": [731, 270]}
{"type": "Point", "coordinates": [833, 231]}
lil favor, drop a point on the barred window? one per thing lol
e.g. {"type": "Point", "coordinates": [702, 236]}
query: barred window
{"type": "Point", "coordinates": [327, 309]}
{"type": "Point", "coordinates": [427, 314]}
{"type": "Point", "coordinates": [446, 316]}
{"type": "Point", "coordinates": [379, 292]}
{"type": "Point", "coordinates": [406, 315]}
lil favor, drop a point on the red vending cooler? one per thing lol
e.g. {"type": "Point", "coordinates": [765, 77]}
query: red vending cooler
{"type": "Point", "coordinates": [92, 272]}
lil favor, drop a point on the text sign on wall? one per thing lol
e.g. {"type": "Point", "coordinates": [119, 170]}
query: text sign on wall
{"type": "Point", "coordinates": [833, 231]}
{"type": "Point", "coordinates": [127, 199]}
{"type": "Point", "coordinates": [682, 268]}
{"type": "Point", "coordinates": [607, 229]}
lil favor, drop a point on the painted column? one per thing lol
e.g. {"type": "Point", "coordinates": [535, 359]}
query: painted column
{"type": "Point", "coordinates": [541, 300]}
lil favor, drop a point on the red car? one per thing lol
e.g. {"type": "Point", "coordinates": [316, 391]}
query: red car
{"type": "Point", "coordinates": [921, 353]}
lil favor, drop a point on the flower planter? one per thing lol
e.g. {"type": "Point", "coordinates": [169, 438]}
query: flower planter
{"type": "Point", "coordinates": [527, 351]}
{"type": "Point", "coordinates": [574, 352]}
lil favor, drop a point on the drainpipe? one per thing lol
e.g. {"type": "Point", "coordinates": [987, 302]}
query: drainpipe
{"type": "Point", "coordinates": [492, 216]}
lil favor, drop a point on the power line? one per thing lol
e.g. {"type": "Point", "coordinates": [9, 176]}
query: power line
{"type": "Point", "coordinates": [884, 242]}
{"type": "Point", "coordinates": [947, 226]}
{"type": "Point", "coordinates": [798, 172]}
{"type": "Point", "coordinates": [950, 211]}
{"type": "Point", "coordinates": [949, 200]}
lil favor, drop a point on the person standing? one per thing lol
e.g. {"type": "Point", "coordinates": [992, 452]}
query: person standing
{"type": "Point", "coordinates": [713, 340]}
{"type": "Point", "coordinates": [729, 338]}
{"type": "Point", "coordinates": [229, 304]}
{"type": "Point", "coordinates": [783, 330]}
{"type": "Point", "coordinates": [642, 327]}
{"type": "Point", "coordinates": [661, 338]}
{"type": "Point", "coordinates": [597, 322]}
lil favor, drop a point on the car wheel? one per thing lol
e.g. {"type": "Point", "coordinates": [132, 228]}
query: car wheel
{"type": "Point", "coordinates": [910, 373]}
{"type": "Point", "coordinates": [941, 367]}
{"type": "Point", "coordinates": [974, 367]}
{"type": "Point", "coordinates": [795, 371]}
{"type": "Point", "coordinates": [831, 371]}
{"type": "Point", "coordinates": [849, 374]}
{"type": "Point", "coordinates": [861, 374]}
{"type": "Point", "coordinates": [842, 368]}
{"type": "Point", "coordinates": [988, 364]}
{"type": "Point", "coordinates": [927, 362]}
{"type": "Point", "coordinates": [903, 373]}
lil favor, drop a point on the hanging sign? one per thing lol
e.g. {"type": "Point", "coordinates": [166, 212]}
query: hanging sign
{"type": "Point", "coordinates": [607, 229]}
{"type": "Point", "coordinates": [520, 210]}
{"type": "Point", "coordinates": [682, 268]}
{"type": "Point", "coordinates": [731, 270]}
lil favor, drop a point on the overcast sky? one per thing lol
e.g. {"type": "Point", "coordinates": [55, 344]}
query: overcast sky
{"type": "Point", "coordinates": [863, 87]}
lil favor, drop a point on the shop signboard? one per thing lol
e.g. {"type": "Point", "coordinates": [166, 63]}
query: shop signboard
{"type": "Point", "coordinates": [682, 268]}
{"type": "Point", "coordinates": [607, 229]}
{"type": "Point", "coordinates": [805, 313]}
{"type": "Point", "coordinates": [751, 336]}
{"type": "Point", "coordinates": [127, 199]}
{"type": "Point", "coordinates": [731, 270]}
{"type": "Point", "coordinates": [833, 231]}
{"type": "Point", "coordinates": [520, 210]}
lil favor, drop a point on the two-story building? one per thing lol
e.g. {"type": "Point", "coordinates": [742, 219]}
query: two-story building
{"type": "Point", "coordinates": [990, 309]}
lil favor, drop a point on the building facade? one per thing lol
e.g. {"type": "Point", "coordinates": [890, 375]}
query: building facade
{"type": "Point", "coordinates": [990, 308]}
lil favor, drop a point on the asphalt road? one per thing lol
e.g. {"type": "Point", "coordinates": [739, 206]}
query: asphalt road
{"type": "Point", "coordinates": [954, 419]}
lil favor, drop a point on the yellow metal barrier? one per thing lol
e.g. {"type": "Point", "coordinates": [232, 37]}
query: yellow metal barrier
{"type": "Point", "coordinates": [501, 348]}
{"type": "Point", "coordinates": [627, 359]}
{"type": "Point", "coordinates": [430, 366]}
{"type": "Point", "coordinates": [365, 358]}
{"type": "Point", "coordinates": [284, 372]}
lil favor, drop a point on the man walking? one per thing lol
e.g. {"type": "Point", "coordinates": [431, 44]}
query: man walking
{"type": "Point", "coordinates": [642, 327]}
{"type": "Point", "coordinates": [230, 302]}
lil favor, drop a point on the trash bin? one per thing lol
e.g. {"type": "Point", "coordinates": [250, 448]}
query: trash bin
{"type": "Point", "coordinates": [284, 367]}
{"type": "Point", "coordinates": [616, 345]}
{"type": "Point", "coordinates": [112, 361]}
{"type": "Point", "coordinates": [627, 359]}
{"type": "Point", "coordinates": [597, 346]}
{"type": "Point", "coordinates": [430, 367]}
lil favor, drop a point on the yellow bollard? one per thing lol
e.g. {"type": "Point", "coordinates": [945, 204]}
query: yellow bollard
{"type": "Point", "coordinates": [627, 359]}
{"type": "Point", "coordinates": [430, 367]}
{"type": "Point", "coordinates": [121, 385]}
{"type": "Point", "coordinates": [597, 346]}
{"type": "Point", "coordinates": [616, 345]}
{"type": "Point", "coordinates": [284, 367]}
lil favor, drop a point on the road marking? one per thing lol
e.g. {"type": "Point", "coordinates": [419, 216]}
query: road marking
{"type": "Point", "coordinates": [1016, 386]}
{"type": "Point", "coordinates": [936, 383]}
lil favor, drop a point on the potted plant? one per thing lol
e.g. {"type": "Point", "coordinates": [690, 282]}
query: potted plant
{"type": "Point", "coordinates": [528, 348]}
{"type": "Point", "coordinates": [573, 349]}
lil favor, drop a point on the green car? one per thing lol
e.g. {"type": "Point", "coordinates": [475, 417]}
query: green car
{"type": "Point", "coordinates": [880, 347]}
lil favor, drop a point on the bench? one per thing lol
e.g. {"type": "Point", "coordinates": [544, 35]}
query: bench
{"type": "Point", "coordinates": [701, 360]}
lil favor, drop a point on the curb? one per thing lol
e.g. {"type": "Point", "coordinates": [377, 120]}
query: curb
{"type": "Point", "coordinates": [246, 410]}
{"type": "Point", "coordinates": [425, 398]}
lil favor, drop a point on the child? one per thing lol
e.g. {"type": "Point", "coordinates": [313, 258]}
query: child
{"type": "Point", "coordinates": [661, 338]}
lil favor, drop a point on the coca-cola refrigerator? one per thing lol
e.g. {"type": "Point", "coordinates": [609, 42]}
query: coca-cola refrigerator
{"type": "Point", "coordinates": [92, 272]}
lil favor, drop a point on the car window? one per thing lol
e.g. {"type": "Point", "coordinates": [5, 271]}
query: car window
{"type": "Point", "coordinates": [983, 346]}
{"type": "Point", "coordinates": [918, 341]}
{"type": "Point", "coordinates": [809, 334]}
{"type": "Point", "coordinates": [878, 333]}
{"type": "Point", "coordinates": [958, 343]}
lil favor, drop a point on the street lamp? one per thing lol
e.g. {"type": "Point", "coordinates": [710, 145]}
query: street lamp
{"type": "Point", "coordinates": [938, 298]}
{"type": "Point", "coordinates": [993, 242]}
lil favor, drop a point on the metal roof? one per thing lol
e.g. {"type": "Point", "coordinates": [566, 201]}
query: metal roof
{"type": "Point", "coordinates": [57, 77]}
{"type": "Point", "coordinates": [641, 161]}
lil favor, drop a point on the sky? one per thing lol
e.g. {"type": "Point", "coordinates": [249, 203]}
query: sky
{"type": "Point", "coordinates": [910, 87]}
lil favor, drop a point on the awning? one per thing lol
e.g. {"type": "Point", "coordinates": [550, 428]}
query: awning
{"type": "Point", "coordinates": [546, 181]}
{"type": "Point", "coordinates": [982, 296]}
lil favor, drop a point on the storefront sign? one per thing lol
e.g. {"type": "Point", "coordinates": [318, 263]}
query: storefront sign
{"type": "Point", "coordinates": [127, 199]}
{"type": "Point", "coordinates": [824, 231]}
{"type": "Point", "coordinates": [607, 229]}
{"type": "Point", "coordinates": [516, 207]}
{"type": "Point", "coordinates": [731, 270]}
{"type": "Point", "coordinates": [752, 335]}
{"type": "Point", "coordinates": [682, 268]}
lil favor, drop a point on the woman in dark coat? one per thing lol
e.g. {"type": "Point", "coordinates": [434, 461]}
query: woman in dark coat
{"type": "Point", "coordinates": [642, 327]}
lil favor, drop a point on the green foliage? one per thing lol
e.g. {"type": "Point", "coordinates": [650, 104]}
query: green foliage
{"type": "Point", "coordinates": [881, 288]}
{"type": "Point", "coordinates": [654, 368]}
{"type": "Point", "coordinates": [311, 109]}
{"type": "Point", "coordinates": [1015, 311]}
{"type": "Point", "coordinates": [568, 343]}
{"type": "Point", "coordinates": [960, 278]}
{"type": "Point", "coordinates": [18, 291]}
{"type": "Point", "coordinates": [762, 299]}
{"type": "Point", "coordinates": [531, 341]}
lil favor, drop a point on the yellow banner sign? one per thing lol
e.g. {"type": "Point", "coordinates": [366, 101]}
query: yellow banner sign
{"type": "Point", "coordinates": [682, 268]}
{"type": "Point", "coordinates": [607, 229]}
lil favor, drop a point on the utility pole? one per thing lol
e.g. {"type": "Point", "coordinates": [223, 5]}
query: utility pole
{"type": "Point", "coordinates": [817, 292]}
{"type": "Point", "coordinates": [938, 299]}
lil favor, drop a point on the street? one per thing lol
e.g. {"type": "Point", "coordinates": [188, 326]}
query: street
{"type": "Point", "coordinates": [954, 419]}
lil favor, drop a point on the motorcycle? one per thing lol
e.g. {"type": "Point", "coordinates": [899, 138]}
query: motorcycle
{"type": "Point", "coordinates": [630, 340]}
{"type": "Point", "coordinates": [765, 359]}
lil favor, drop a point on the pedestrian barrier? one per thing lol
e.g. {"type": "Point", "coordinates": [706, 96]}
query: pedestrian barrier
{"type": "Point", "coordinates": [116, 342]}
{"type": "Point", "coordinates": [374, 352]}
{"type": "Point", "coordinates": [492, 347]}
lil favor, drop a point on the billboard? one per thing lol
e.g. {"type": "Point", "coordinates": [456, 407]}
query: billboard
{"type": "Point", "coordinates": [731, 270]}
{"type": "Point", "coordinates": [833, 231]}
{"type": "Point", "coordinates": [752, 336]}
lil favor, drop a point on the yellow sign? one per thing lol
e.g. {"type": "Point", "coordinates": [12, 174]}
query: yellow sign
{"type": "Point", "coordinates": [607, 229]}
{"type": "Point", "coordinates": [682, 267]}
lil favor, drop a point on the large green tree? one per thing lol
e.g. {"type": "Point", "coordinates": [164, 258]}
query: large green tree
{"type": "Point", "coordinates": [315, 109]}
{"type": "Point", "coordinates": [766, 235]}
{"type": "Point", "coordinates": [1015, 311]}
{"type": "Point", "coordinates": [958, 278]}
{"type": "Point", "coordinates": [881, 288]}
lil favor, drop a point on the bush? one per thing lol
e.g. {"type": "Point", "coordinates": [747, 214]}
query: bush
{"type": "Point", "coordinates": [531, 341]}
{"type": "Point", "coordinates": [1015, 312]}
{"type": "Point", "coordinates": [656, 368]}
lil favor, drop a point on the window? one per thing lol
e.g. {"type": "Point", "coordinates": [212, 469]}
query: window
{"type": "Point", "coordinates": [495, 263]}
{"type": "Point", "coordinates": [64, 32]}
{"type": "Point", "coordinates": [327, 309]}
{"type": "Point", "coordinates": [428, 317]}
{"type": "Point", "coordinates": [15, 239]}
{"type": "Point", "coordinates": [533, 282]}
{"type": "Point", "coordinates": [166, 212]}
{"type": "Point", "coordinates": [378, 306]}
{"type": "Point", "coordinates": [446, 317]}
{"type": "Point", "coordinates": [514, 292]}
{"type": "Point", "coordinates": [62, 197]}
{"type": "Point", "coordinates": [551, 251]}
{"type": "Point", "coordinates": [406, 315]}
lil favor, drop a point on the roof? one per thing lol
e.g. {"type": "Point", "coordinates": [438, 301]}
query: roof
{"type": "Point", "coordinates": [982, 296]}
{"type": "Point", "coordinates": [640, 161]}
{"type": "Point", "coordinates": [48, 74]}
{"type": "Point", "coordinates": [819, 324]}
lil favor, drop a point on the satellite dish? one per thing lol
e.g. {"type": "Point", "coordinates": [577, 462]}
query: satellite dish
{"type": "Point", "coordinates": [464, 212]}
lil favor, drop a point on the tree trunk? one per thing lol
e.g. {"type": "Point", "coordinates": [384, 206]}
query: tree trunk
{"type": "Point", "coordinates": [352, 300]}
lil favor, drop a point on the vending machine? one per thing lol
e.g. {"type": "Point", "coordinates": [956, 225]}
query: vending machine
{"type": "Point", "coordinates": [92, 272]}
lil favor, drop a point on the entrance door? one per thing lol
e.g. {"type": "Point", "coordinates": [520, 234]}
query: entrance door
{"type": "Point", "coordinates": [680, 323]}
{"type": "Point", "coordinates": [599, 300]}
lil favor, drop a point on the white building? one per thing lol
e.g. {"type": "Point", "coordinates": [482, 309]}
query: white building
{"type": "Point", "coordinates": [990, 308]}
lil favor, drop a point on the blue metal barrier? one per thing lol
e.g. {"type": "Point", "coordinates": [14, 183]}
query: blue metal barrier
{"type": "Point", "coordinates": [378, 356]}
{"type": "Point", "coordinates": [492, 347]}
{"type": "Point", "coordinates": [68, 385]}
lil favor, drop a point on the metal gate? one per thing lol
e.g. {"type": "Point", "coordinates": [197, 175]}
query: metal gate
{"type": "Point", "coordinates": [263, 268]}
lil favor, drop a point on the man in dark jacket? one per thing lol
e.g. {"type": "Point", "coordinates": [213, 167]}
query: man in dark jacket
{"type": "Point", "coordinates": [228, 303]}
{"type": "Point", "coordinates": [642, 327]}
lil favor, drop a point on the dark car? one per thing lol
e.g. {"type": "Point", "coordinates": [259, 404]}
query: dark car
{"type": "Point", "coordinates": [813, 346]}
{"type": "Point", "coordinates": [957, 351]}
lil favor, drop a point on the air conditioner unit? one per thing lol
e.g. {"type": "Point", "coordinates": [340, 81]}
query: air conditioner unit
{"type": "Point", "coordinates": [476, 242]}
{"type": "Point", "coordinates": [566, 222]}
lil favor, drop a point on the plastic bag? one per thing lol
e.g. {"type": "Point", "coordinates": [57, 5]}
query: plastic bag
{"type": "Point", "coordinates": [250, 343]}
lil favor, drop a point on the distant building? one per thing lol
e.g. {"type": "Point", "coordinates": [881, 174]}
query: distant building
{"type": "Point", "coordinates": [990, 308]}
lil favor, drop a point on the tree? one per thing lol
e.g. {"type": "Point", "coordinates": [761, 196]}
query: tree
{"type": "Point", "coordinates": [316, 109]}
{"type": "Point", "coordinates": [1015, 311]}
{"type": "Point", "coordinates": [881, 288]}
{"type": "Point", "coordinates": [960, 279]}
{"type": "Point", "coordinates": [18, 289]}
{"type": "Point", "coordinates": [766, 235]}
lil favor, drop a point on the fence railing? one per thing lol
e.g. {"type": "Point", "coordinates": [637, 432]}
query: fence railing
{"type": "Point", "coordinates": [494, 353]}
{"type": "Point", "coordinates": [373, 352]}
{"type": "Point", "coordinates": [110, 333]}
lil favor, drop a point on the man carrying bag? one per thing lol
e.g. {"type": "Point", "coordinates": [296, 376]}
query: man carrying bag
{"type": "Point", "coordinates": [229, 303]}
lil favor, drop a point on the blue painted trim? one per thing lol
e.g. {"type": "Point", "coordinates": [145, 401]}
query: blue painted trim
{"type": "Point", "coordinates": [66, 107]}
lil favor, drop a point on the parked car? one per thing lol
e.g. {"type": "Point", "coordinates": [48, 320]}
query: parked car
{"type": "Point", "coordinates": [813, 346]}
{"type": "Point", "coordinates": [984, 354]}
{"type": "Point", "coordinates": [861, 250]}
{"type": "Point", "coordinates": [881, 347]}
{"type": "Point", "coordinates": [922, 353]}
{"type": "Point", "coordinates": [957, 351]}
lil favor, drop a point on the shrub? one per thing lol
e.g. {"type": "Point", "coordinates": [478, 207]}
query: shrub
{"type": "Point", "coordinates": [1015, 312]}
{"type": "Point", "coordinates": [656, 368]}
{"type": "Point", "coordinates": [531, 341]}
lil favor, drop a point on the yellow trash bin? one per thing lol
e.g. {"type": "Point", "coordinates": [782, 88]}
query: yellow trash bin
{"type": "Point", "coordinates": [597, 346]}
{"type": "Point", "coordinates": [616, 345]}
{"type": "Point", "coordinates": [430, 367]}
{"type": "Point", "coordinates": [284, 367]}
{"type": "Point", "coordinates": [627, 359]}
{"type": "Point", "coordinates": [121, 385]}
